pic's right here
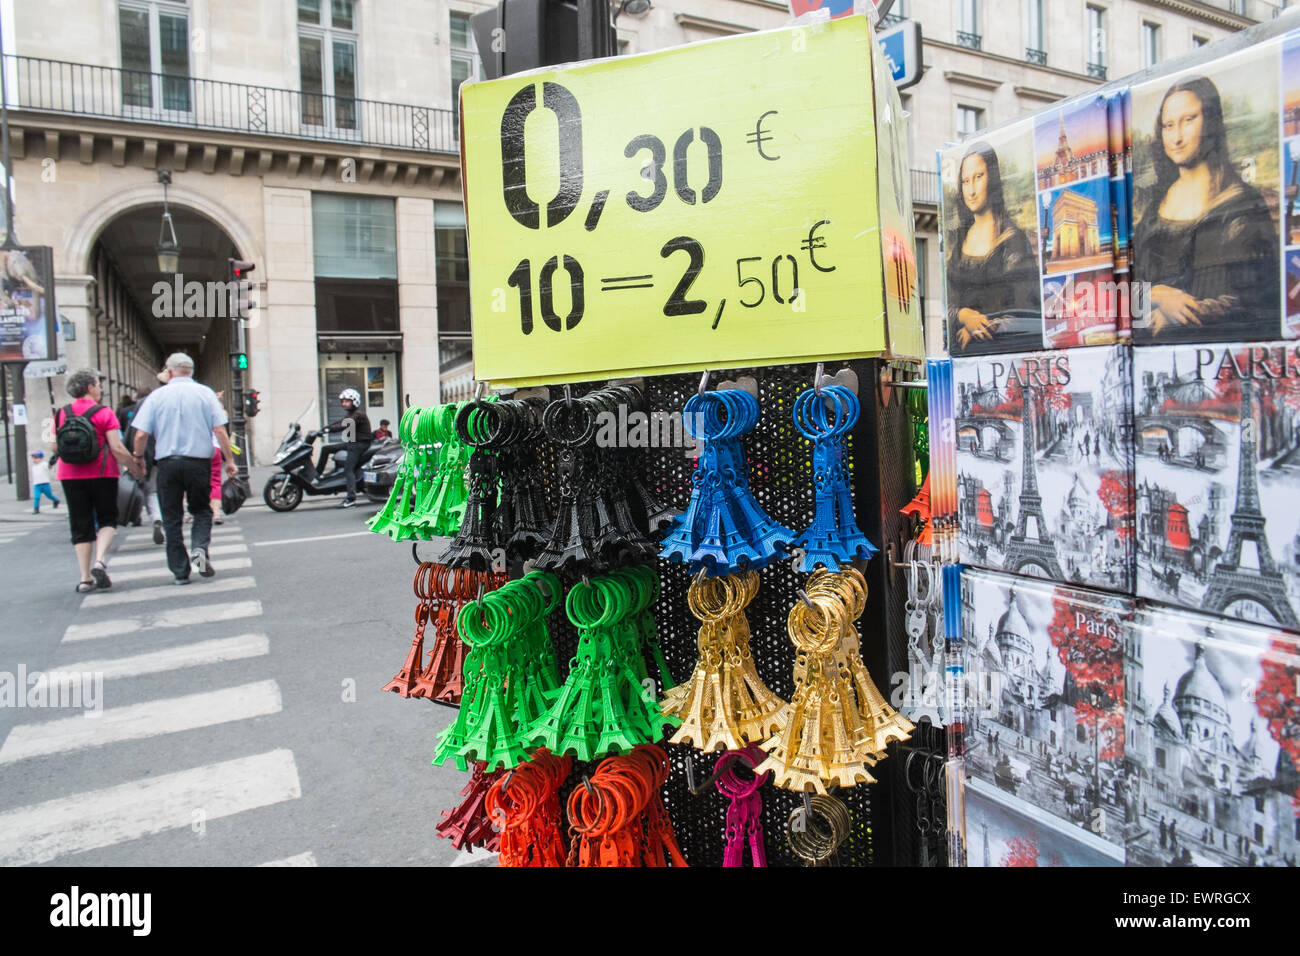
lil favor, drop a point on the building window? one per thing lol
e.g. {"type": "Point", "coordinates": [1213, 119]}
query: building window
{"type": "Point", "coordinates": [1150, 44]}
{"type": "Point", "coordinates": [969, 119]}
{"type": "Point", "coordinates": [354, 249]}
{"type": "Point", "coordinates": [1081, 733]}
{"type": "Point", "coordinates": [1097, 42]}
{"type": "Point", "coordinates": [154, 40]}
{"type": "Point", "coordinates": [354, 237]}
{"type": "Point", "coordinates": [922, 264]}
{"type": "Point", "coordinates": [464, 55]}
{"type": "Point", "coordinates": [327, 63]}
{"type": "Point", "coordinates": [452, 253]}
{"type": "Point", "coordinates": [1035, 45]}
{"type": "Point", "coordinates": [968, 26]}
{"type": "Point", "coordinates": [1259, 833]}
{"type": "Point", "coordinates": [897, 14]}
{"type": "Point", "coordinates": [1160, 758]}
{"type": "Point", "coordinates": [1259, 803]}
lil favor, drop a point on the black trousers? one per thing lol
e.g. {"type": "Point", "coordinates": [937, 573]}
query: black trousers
{"type": "Point", "coordinates": [92, 504]}
{"type": "Point", "coordinates": [179, 479]}
{"type": "Point", "coordinates": [355, 449]}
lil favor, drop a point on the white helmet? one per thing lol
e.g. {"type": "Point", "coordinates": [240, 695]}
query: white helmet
{"type": "Point", "coordinates": [350, 394]}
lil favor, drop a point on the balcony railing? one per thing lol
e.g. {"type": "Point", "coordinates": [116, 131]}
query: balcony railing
{"type": "Point", "coordinates": [925, 187]}
{"type": "Point", "coordinates": [80, 89]}
{"type": "Point", "coordinates": [1036, 56]}
{"type": "Point", "coordinates": [1097, 71]}
{"type": "Point", "coordinates": [970, 40]}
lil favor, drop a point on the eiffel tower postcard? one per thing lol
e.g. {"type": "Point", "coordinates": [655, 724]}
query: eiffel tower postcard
{"type": "Point", "coordinates": [1044, 463]}
{"type": "Point", "coordinates": [1218, 479]}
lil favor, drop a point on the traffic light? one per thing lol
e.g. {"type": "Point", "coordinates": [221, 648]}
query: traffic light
{"type": "Point", "coordinates": [242, 287]}
{"type": "Point", "coordinates": [252, 403]}
{"type": "Point", "coordinates": [239, 361]}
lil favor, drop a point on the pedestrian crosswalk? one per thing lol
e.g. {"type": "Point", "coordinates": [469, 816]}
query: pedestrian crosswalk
{"type": "Point", "coordinates": [10, 533]}
{"type": "Point", "coordinates": [87, 821]}
{"type": "Point", "coordinates": [144, 628]}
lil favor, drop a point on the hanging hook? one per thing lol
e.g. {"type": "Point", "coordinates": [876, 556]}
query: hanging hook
{"type": "Point", "coordinates": [817, 379]}
{"type": "Point", "coordinates": [568, 395]}
{"type": "Point", "coordinates": [723, 766]}
{"type": "Point", "coordinates": [479, 599]}
{"type": "Point", "coordinates": [479, 389]}
{"type": "Point", "coordinates": [704, 382]}
{"type": "Point", "coordinates": [802, 595]}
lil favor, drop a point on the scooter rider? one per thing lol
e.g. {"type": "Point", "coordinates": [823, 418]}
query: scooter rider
{"type": "Point", "coordinates": [356, 426]}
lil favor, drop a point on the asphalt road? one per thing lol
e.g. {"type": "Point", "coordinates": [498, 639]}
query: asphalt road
{"type": "Point", "coordinates": [242, 720]}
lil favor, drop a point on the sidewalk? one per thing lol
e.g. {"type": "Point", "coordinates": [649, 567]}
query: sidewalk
{"type": "Point", "coordinates": [21, 511]}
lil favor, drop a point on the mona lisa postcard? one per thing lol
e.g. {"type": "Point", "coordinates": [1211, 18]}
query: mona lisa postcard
{"type": "Point", "coordinates": [1030, 234]}
{"type": "Point", "coordinates": [990, 204]}
{"type": "Point", "coordinates": [1207, 199]}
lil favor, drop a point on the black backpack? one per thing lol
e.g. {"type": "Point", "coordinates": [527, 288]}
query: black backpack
{"type": "Point", "coordinates": [128, 438]}
{"type": "Point", "coordinates": [77, 440]}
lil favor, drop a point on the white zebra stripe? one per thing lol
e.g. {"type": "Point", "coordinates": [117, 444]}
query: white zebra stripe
{"type": "Point", "coordinates": [163, 574]}
{"type": "Point", "coordinates": [178, 617]}
{"type": "Point", "coordinates": [174, 658]}
{"type": "Point", "coordinates": [88, 821]}
{"type": "Point", "coordinates": [98, 599]}
{"type": "Point", "coordinates": [159, 556]}
{"type": "Point", "coordinates": [151, 718]}
{"type": "Point", "coordinates": [302, 859]}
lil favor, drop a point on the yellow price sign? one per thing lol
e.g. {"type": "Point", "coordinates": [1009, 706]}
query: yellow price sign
{"type": "Point", "coordinates": [708, 206]}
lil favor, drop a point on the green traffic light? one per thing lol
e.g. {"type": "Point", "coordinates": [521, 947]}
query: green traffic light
{"type": "Point", "coordinates": [242, 362]}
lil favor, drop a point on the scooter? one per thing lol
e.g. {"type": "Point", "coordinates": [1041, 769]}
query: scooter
{"type": "Point", "coordinates": [299, 476]}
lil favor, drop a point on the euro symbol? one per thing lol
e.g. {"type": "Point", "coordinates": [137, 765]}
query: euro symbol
{"type": "Point", "coordinates": [814, 242]}
{"type": "Point", "coordinates": [760, 136]}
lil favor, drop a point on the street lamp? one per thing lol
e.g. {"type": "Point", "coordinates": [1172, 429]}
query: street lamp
{"type": "Point", "coordinates": [633, 8]}
{"type": "Point", "coordinates": [168, 249]}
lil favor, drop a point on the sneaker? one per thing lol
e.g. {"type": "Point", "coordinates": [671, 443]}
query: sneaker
{"type": "Point", "coordinates": [36, 511]}
{"type": "Point", "coordinates": [348, 503]}
{"type": "Point", "coordinates": [181, 580]}
{"type": "Point", "coordinates": [200, 563]}
{"type": "Point", "coordinates": [56, 503]}
{"type": "Point", "coordinates": [158, 536]}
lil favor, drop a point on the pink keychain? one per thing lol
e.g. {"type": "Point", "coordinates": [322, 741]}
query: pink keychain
{"type": "Point", "coordinates": [745, 814]}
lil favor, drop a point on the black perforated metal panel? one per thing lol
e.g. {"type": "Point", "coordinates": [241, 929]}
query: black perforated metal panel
{"type": "Point", "coordinates": [781, 478]}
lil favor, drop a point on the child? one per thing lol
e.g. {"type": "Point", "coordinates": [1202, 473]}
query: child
{"type": "Point", "coordinates": [383, 432]}
{"type": "Point", "coordinates": [41, 482]}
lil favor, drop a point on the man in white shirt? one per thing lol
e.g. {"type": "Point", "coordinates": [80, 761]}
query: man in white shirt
{"type": "Point", "coordinates": [184, 416]}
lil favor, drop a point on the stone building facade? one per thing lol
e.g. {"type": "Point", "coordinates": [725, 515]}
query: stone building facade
{"type": "Point", "coordinates": [319, 141]}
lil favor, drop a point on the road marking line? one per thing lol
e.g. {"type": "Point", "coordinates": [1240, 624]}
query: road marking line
{"type": "Point", "coordinates": [179, 617]}
{"type": "Point", "coordinates": [319, 537]}
{"type": "Point", "coordinates": [159, 555]}
{"type": "Point", "coordinates": [475, 856]}
{"type": "Point", "coordinates": [88, 821]}
{"type": "Point", "coordinates": [163, 573]}
{"type": "Point", "coordinates": [96, 599]}
{"type": "Point", "coordinates": [151, 718]}
{"type": "Point", "coordinates": [302, 859]}
{"type": "Point", "coordinates": [175, 658]}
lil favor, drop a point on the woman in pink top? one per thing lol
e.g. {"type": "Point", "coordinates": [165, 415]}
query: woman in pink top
{"type": "Point", "coordinates": [91, 489]}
